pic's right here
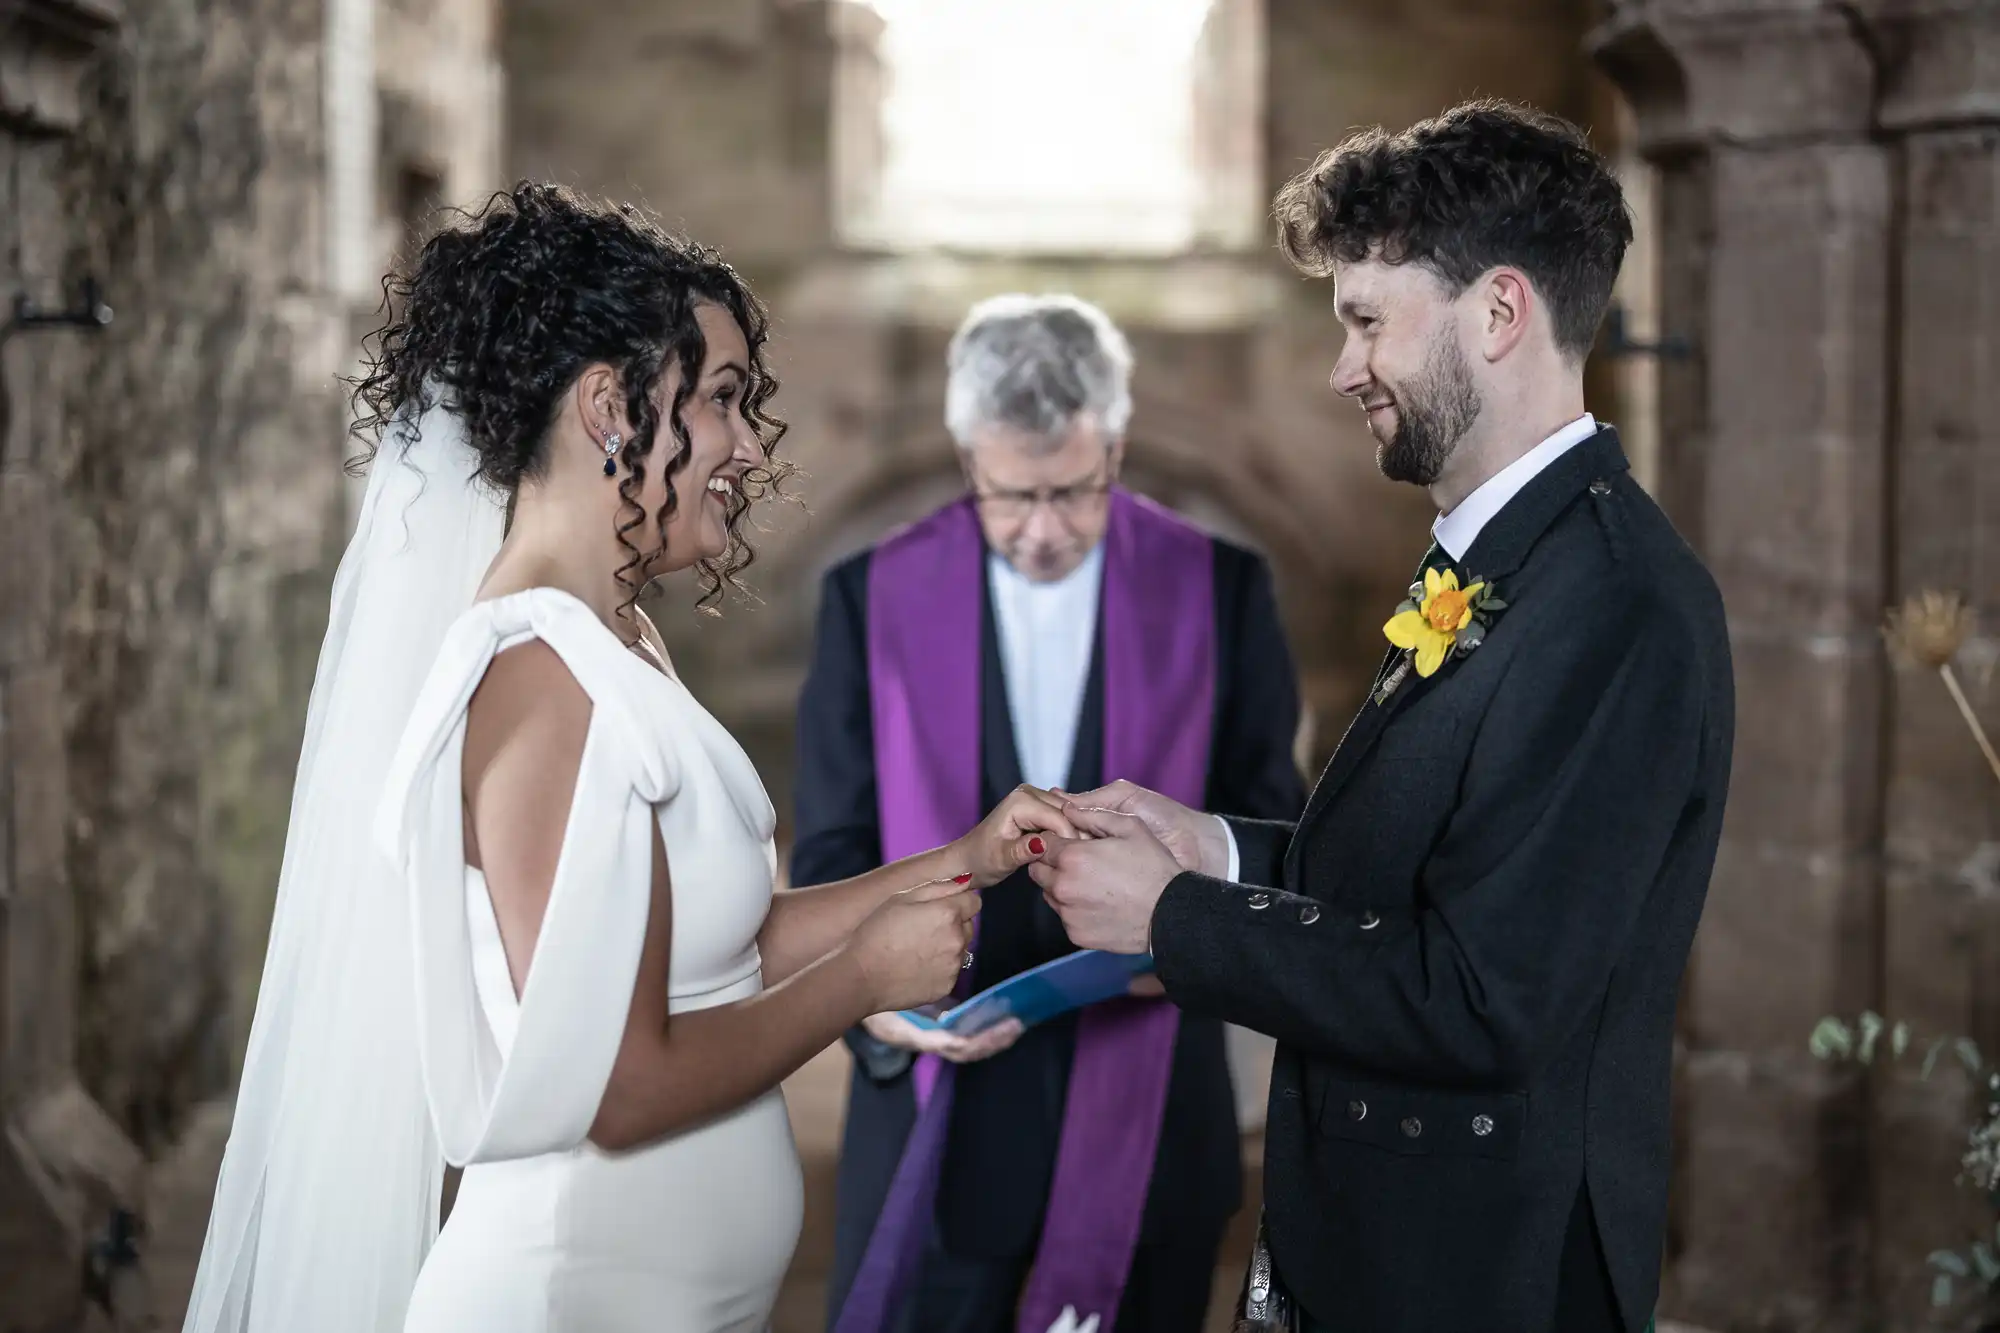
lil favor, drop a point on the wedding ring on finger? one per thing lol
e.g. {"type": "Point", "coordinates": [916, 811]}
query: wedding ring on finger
{"type": "Point", "coordinates": [965, 963]}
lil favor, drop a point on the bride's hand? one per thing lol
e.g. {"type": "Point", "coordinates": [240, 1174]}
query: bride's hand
{"type": "Point", "coordinates": [1007, 839]}
{"type": "Point", "coordinates": [912, 947]}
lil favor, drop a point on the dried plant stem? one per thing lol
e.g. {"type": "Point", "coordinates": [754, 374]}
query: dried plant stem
{"type": "Point", "coordinates": [1971, 719]}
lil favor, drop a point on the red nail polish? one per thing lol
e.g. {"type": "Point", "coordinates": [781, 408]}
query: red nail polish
{"type": "Point", "coordinates": [1035, 846]}
{"type": "Point", "coordinates": [961, 879]}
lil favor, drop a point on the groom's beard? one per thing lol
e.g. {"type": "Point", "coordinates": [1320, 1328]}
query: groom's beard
{"type": "Point", "coordinates": [1433, 413]}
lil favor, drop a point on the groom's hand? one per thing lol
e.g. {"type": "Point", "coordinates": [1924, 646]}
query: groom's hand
{"type": "Point", "coordinates": [1105, 886]}
{"type": "Point", "coordinates": [1196, 841]}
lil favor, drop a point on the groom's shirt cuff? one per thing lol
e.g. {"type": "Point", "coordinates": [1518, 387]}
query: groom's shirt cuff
{"type": "Point", "coordinates": [1235, 867]}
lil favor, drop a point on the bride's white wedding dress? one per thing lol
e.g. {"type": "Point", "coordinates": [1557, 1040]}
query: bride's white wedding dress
{"type": "Point", "coordinates": [548, 1234]}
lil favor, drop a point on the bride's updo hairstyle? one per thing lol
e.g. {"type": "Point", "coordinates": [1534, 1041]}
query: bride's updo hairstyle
{"type": "Point", "coordinates": [502, 311]}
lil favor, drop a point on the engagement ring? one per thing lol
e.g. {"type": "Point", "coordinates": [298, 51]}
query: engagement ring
{"type": "Point", "coordinates": [965, 964]}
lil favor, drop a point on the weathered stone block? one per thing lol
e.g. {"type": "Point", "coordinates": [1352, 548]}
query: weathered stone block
{"type": "Point", "coordinates": [1787, 937]}
{"type": "Point", "coordinates": [45, 58]}
{"type": "Point", "coordinates": [1947, 70]}
{"type": "Point", "coordinates": [179, 1191]}
{"type": "Point", "coordinates": [1737, 73]}
{"type": "Point", "coordinates": [1777, 1223]}
{"type": "Point", "coordinates": [752, 180]}
{"type": "Point", "coordinates": [1807, 768]}
{"type": "Point", "coordinates": [1796, 470]}
{"type": "Point", "coordinates": [189, 550]}
{"type": "Point", "coordinates": [1940, 469]}
{"type": "Point", "coordinates": [1943, 800]}
{"type": "Point", "coordinates": [33, 703]}
{"type": "Point", "coordinates": [30, 557]}
{"type": "Point", "coordinates": [1918, 1136]}
{"type": "Point", "coordinates": [1947, 478]}
{"type": "Point", "coordinates": [39, 1246]}
{"type": "Point", "coordinates": [1937, 933]}
{"type": "Point", "coordinates": [1333, 68]}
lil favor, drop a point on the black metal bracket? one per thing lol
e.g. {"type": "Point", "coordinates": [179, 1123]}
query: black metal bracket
{"type": "Point", "coordinates": [89, 313]}
{"type": "Point", "coordinates": [1616, 341]}
{"type": "Point", "coordinates": [113, 1251]}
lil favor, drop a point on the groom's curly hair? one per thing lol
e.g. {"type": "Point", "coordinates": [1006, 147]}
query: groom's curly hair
{"type": "Point", "coordinates": [1487, 183]}
{"type": "Point", "coordinates": [500, 313]}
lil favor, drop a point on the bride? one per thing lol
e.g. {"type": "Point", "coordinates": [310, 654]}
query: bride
{"type": "Point", "coordinates": [525, 921]}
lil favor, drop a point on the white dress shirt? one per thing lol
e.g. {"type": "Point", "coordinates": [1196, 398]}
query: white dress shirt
{"type": "Point", "coordinates": [1047, 631]}
{"type": "Point", "coordinates": [1455, 532]}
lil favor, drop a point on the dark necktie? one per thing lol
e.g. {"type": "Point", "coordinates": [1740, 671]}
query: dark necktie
{"type": "Point", "coordinates": [1436, 558]}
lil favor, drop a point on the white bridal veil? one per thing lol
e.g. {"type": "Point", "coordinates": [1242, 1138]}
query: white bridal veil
{"type": "Point", "coordinates": [329, 1193]}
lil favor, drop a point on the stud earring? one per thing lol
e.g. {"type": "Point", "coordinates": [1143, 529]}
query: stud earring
{"type": "Point", "coordinates": [611, 443]}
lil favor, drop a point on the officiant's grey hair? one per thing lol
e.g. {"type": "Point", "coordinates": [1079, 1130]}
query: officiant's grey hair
{"type": "Point", "coordinates": [1036, 364]}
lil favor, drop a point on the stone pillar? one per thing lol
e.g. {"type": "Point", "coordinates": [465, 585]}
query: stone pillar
{"type": "Point", "coordinates": [64, 1166]}
{"type": "Point", "coordinates": [1777, 227]}
{"type": "Point", "coordinates": [1939, 106]}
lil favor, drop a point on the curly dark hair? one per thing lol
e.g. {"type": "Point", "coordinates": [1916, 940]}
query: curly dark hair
{"type": "Point", "coordinates": [501, 312]}
{"type": "Point", "coordinates": [1486, 183]}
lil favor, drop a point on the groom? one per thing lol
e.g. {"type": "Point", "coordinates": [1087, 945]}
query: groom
{"type": "Point", "coordinates": [1470, 947]}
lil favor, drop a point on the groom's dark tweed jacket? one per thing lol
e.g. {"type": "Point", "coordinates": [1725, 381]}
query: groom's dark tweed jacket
{"type": "Point", "coordinates": [1473, 953]}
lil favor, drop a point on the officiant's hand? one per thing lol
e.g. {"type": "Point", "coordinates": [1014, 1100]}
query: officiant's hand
{"type": "Point", "coordinates": [1105, 887]}
{"type": "Point", "coordinates": [1197, 841]}
{"type": "Point", "coordinates": [1012, 835]}
{"type": "Point", "coordinates": [895, 1030]}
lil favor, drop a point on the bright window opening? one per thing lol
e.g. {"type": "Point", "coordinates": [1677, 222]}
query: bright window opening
{"type": "Point", "coordinates": [1039, 126]}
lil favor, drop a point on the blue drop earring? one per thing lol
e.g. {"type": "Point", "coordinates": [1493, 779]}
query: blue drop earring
{"type": "Point", "coordinates": [611, 443]}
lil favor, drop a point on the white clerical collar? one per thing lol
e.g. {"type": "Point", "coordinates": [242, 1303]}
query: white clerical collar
{"type": "Point", "coordinates": [1456, 531]}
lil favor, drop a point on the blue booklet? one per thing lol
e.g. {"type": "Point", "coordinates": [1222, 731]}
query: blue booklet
{"type": "Point", "coordinates": [1041, 993]}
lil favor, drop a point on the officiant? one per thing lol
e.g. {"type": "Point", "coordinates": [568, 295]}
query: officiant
{"type": "Point", "coordinates": [1053, 628]}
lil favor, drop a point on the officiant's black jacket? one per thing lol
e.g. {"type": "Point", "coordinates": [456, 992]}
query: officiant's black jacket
{"type": "Point", "coordinates": [1474, 941]}
{"type": "Point", "coordinates": [1007, 1113]}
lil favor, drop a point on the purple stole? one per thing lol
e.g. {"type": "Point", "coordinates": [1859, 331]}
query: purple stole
{"type": "Point", "coordinates": [924, 611]}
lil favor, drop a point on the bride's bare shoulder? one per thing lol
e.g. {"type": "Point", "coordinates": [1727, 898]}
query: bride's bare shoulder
{"type": "Point", "coordinates": [528, 714]}
{"type": "Point", "coordinates": [524, 735]}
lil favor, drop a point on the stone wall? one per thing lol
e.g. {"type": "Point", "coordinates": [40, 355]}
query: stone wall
{"type": "Point", "coordinates": [714, 113]}
{"type": "Point", "coordinates": [1826, 195]}
{"type": "Point", "coordinates": [65, 1166]}
{"type": "Point", "coordinates": [198, 449]}
{"type": "Point", "coordinates": [171, 509]}
{"type": "Point", "coordinates": [167, 514]}
{"type": "Point", "coordinates": [1823, 185]}
{"type": "Point", "coordinates": [194, 446]}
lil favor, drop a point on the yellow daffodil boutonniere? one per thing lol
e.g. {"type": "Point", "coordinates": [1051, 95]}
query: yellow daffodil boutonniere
{"type": "Point", "coordinates": [1439, 619]}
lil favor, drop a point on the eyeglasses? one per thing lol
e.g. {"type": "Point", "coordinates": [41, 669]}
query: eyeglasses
{"type": "Point", "coordinates": [1068, 503]}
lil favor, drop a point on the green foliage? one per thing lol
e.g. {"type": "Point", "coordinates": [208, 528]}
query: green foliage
{"type": "Point", "coordinates": [1836, 1040]}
